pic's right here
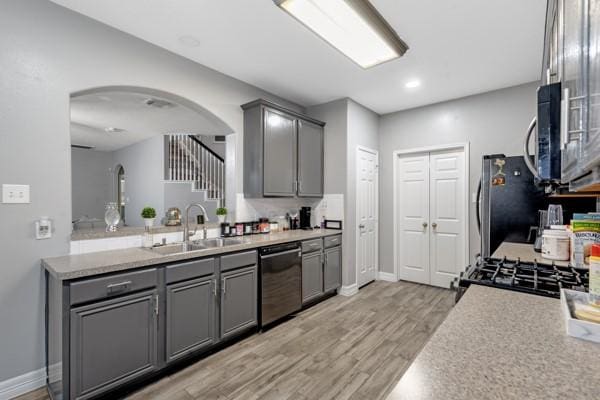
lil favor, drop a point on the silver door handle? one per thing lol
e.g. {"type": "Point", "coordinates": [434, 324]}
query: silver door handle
{"type": "Point", "coordinates": [434, 225]}
{"type": "Point", "coordinates": [424, 224]}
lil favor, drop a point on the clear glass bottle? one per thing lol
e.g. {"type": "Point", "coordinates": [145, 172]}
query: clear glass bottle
{"type": "Point", "coordinates": [112, 217]}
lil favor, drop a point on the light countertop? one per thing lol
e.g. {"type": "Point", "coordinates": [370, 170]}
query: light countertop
{"type": "Point", "coordinates": [102, 262]}
{"type": "Point", "coordinates": [500, 344]}
{"type": "Point", "coordinates": [525, 252]}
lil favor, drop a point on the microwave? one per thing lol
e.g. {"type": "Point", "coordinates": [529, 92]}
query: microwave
{"type": "Point", "coordinates": [546, 166]}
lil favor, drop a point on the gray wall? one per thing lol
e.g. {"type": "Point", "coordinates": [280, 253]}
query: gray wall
{"type": "Point", "coordinates": [49, 52]}
{"type": "Point", "coordinates": [348, 125]}
{"type": "Point", "coordinates": [493, 122]}
{"type": "Point", "coordinates": [180, 195]}
{"type": "Point", "coordinates": [92, 177]}
{"type": "Point", "coordinates": [143, 163]}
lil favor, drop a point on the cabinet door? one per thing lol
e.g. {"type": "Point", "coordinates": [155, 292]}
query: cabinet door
{"type": "Point", "coordinates": [574, 14]}
{"type": "Point", "coordinates": [279, 154]}
{"type": "Point", "coordinates": [112, 342]}
{"type": "Point", "coordinates": [190, 316]}
{"type": "Point", "coordinates": [310, 159]}
{"type": "Point", "coordinates": [239, 301]}
{"type": "Point", "coordinates": [312, 276]}
{"type": "Point", "coordinates": [333, 269]}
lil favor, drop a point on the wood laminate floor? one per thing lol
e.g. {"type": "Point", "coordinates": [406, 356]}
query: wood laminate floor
{"type": "Point", "coordinates": [344, 348]}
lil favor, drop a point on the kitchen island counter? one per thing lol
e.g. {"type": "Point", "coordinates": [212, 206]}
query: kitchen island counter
{"type": "Point", "coordinates": [500, 344]}
{"type": "Point", "coordinates": [102, 262]}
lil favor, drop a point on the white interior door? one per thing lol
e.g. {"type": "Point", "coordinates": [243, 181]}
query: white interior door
{"type": "Point", "coordinates": [447, 216]}
{"type": "Point", "coordinates": [431, 209]}
{"type": "Point", "coordinates": [367, 200]}
{"type": "Point", "coordinates": [413, 207]}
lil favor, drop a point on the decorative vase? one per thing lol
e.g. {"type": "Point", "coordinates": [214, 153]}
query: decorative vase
{"type": "Point", "coordinates": [221, 218]}
{"type": "Point", "coordinates": [112, 217]}
{"type": "Point", "coordinates": [149, 222]}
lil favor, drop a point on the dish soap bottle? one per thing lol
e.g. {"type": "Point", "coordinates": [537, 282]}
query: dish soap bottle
{"type": "Point", "coordinates": [595, 275]}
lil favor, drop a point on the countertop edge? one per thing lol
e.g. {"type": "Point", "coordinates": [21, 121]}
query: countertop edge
{"type": "Point", "coordinates": [158, 259]}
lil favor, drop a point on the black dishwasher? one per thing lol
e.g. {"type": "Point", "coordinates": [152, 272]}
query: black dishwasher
{"type": "Point", "coordinates": [280, 281]}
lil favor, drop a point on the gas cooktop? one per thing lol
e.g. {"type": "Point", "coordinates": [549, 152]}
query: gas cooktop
{"type": "Point", "coordinates": [528, 277]}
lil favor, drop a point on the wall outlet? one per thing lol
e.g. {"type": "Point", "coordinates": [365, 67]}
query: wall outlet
{"type": "Point", "coordinates": [15, 194]}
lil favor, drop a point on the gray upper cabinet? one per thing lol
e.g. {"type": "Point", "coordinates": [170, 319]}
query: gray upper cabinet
{"type": "Point", "coordinates": [332, 269]}
{"type": "Point", "coordinates": [279, 155]}
{"type": "Point", "coordinates": [190, 316]}
{"type": "Point", "coordinates": [239, 301]}
{"type": "Point", "coordinates": [283, 152]}
{"type": "Point", "coordinates": [310, 159]}
{"type": "Point", "coordinates": [112, 342]}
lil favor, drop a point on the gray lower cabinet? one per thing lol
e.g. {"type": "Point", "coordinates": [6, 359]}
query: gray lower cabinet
{"type": "Point", "coordinates": [312, 276]}
{"type": "Point", "coordinates": [190, 316]}
{"type": "Point", "coordinates": [112, 342]}
{"type": "Point", "coordinates": [239, 301]}
{"type": "Point", "coordinates": [332, 267]}
{"type": "Point", "coordinates": [310, 159]}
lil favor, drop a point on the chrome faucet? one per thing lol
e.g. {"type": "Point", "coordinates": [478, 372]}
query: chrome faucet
{"type": "Point", "coordinates": [186, 229]}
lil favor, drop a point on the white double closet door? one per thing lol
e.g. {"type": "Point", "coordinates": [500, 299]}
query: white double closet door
{"type": "Point", "coordinates": [432, 206]}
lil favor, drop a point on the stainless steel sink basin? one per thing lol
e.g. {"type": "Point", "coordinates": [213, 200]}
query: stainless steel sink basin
{"type": "Point", "coordinates": [179, 248]}
{"type": "Point", "coordinates": [218, 242]}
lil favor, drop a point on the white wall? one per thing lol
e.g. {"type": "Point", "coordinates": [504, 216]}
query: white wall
{"type": "Point", "coordinates": [493, 122]}
{"type": "Point", "coordinates": [49, 52]}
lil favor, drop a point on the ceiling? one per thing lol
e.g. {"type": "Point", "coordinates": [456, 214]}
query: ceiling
{"type": "Point", "coordinates": [93, 113]}
{"type": "Point", "coordinates": [457, 47]}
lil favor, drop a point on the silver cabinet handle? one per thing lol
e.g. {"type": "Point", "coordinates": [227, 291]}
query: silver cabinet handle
{"type": "Point", "coordinates": [424, 224]}
{"type": "Point", "coordinates": [117, 287]}
{"type": "Point", "coordinates": [214, 287]}
{"type": "Point", "coordinates": [434, 225]}
{"type": "Point", "coordinates": [223, 286]}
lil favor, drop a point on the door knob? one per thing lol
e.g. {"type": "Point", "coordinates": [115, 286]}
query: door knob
{"type": "Point", "coordinates": [434, 225]}
{"type": "Point", "coordinates": [424, 224]}
{"type": "Point", "coordinates": [361, 226]}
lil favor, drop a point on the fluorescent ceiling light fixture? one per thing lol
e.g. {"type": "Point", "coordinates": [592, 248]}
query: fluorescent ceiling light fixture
{"type": "Point", "coordinates": [354, 27]}
{"type": "Point", "coordinates": [412, 84]}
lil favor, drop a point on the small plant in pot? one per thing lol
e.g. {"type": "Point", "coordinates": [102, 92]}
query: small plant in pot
{"type": "Point", "coordinates": [149, 214]}
{"type": "Point", "coordinates": [221, 214]}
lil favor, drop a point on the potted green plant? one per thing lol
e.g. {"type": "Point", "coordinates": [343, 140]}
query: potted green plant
{"type": "Point", "coordinates": [221, 214]}
{"type": "Point", "coordinates": [149, 214]}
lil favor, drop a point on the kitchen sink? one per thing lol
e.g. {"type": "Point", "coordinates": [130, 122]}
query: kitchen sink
{"type": "Point", "coordinates": [179, 248]}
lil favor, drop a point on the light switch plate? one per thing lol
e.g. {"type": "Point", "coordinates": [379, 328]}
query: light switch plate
{"type": "Point", "coordinates": [18, 194]}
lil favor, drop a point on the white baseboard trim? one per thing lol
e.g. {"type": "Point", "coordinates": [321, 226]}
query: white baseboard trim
{"type": "Point", "coordinates": [386, 276]}
{"type": "Point", "coordinates": [22, 384]}
{"type": "Point", "coordinates": [349, 290]}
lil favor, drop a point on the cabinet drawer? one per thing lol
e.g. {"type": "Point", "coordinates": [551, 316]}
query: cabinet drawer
{"type": "Point", "coordinates": [113, 285]}
{"type": "Point", "coordinates": [233, 261]}
{"type": "Point", "coordinates": [308, 246]}
{"type": "Point", "coordinates": [332, 241]}
{"type": "Point", "coordinates": [189, 270]}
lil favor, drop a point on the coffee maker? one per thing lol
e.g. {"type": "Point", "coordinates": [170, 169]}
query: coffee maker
{"type": "Point", "coordinates": [305, 218]}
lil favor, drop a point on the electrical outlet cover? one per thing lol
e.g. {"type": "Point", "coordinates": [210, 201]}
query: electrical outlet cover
{"type": "Point", "coordinates": [18, 194]}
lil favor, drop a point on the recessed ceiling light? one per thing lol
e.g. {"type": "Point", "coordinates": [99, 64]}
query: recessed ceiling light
{"type": "Point", "coordinates": [412, 84]}
{"type": "Point", "coordinates": [354, 27]}
{"type": "Point", "coordinates": [189, 41]}
{"type": "Point", "coordinates": [112, 129]}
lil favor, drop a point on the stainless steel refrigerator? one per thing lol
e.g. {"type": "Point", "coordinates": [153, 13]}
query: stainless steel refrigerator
{"type": "Point", "coordinates": [508, 201]}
